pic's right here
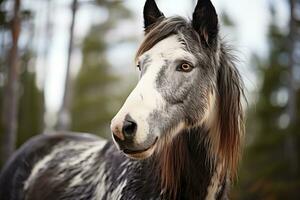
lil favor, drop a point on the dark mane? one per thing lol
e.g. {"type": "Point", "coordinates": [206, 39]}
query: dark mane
{"type": "Point", "coordinates": [231, 114]}
{"type": "Point", "coordinates": [177, 167]}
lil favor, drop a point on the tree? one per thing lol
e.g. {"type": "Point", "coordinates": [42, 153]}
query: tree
{"type": "Point", "coordinates": [31, 103]}
{"type": "Point", "coordinates": [64, 115]}
{"type": "Point", "coordinates": [30, 99]}
{"type": "Point", "coordinates": [10, 102]}
{"type": "Point", "coordinates": [94, 99]}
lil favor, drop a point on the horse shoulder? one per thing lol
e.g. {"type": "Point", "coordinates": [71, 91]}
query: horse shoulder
{"type": "Point", "coordinates": [25, 165]}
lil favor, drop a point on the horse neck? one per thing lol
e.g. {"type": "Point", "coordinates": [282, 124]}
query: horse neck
{"type": "Point", "coordinates": [186, 168]}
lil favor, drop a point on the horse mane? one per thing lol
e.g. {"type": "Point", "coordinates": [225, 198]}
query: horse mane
{"type": "Point", "coordinates": [162, 29]}
{"type": "Point", "coordinates": [176, 165]}
{"type": "Point", "coordinates": [172, 160]}
{"type": "Point", "coordinates": [230, 112]}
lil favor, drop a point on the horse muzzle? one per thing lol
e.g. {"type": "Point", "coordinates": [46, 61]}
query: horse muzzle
{"type": "Point", "coordinates": [126, 137]}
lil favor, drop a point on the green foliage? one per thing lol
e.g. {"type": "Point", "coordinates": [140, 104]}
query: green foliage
{"type": "Point", "coordinates": [95, 96]}
{"type": "Point", "coordinates": [3, 14]}
{"type": "Point", "coordinates": [226, 20]}
{"type": "Point", "coordinates": [31, 104]}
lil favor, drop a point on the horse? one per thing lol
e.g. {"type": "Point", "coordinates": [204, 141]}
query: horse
{"type": "Point", "coordinates": [177, 136]}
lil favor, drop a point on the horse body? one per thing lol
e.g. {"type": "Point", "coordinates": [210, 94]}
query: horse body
{"type": "Point", "coordinates": [177, 136]}
{"type": "Point", "coordinates": [72, 166]}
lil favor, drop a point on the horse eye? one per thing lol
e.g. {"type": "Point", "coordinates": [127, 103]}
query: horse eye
{"type": "Point", "coordinates": [185, 67]}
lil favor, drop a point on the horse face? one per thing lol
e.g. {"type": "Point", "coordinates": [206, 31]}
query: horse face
{"type": "Point", "coordinates": [175, 90]}
{"type": "Point", "coordinates": [173, 93]}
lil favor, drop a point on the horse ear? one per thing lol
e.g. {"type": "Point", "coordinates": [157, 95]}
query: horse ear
{"type": "Point", "coordinates": [151, 13]}
{"type": "Point", "coordinates": [205, 22]}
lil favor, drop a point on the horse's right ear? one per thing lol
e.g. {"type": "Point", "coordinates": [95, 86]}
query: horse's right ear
{"type": "Point", "coordinates": [205, 22]}
{"type": "Point", "coordinates": [151, 13]}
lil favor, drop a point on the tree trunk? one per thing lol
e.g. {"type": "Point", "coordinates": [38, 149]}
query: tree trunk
{"type": "Point", "coordinates": [10, 107]}
{"type": "Point", "coordinates": [64, 112]}
{"type": "Point", "coordinates": [291, 143]}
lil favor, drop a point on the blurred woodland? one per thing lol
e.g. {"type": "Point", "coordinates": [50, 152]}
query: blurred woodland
{"type": "Point", "coordinates": [271, 160]}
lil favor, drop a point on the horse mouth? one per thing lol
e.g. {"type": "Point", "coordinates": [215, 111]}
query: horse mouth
{"type": "Point", "coordinates": [142, 153]}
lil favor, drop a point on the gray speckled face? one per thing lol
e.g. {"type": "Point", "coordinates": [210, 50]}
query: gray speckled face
{"type": "Point", "coordinates": [173, 93]}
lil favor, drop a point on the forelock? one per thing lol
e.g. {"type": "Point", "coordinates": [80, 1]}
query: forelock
{"type": "Point", "coordinates": [167, 27]}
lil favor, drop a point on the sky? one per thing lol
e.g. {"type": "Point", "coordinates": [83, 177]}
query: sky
{"type": "Point", "coordinates": [249, 36]}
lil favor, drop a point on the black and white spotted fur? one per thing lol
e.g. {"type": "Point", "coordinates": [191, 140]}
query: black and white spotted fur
{"type": "Point", "coordinates": [73, 166]}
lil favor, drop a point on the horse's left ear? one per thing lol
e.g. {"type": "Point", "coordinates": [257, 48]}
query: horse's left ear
{"type": "Point", "coordinates": [205, 22]}
{"type": "Point", "coordinates": [151, 13]}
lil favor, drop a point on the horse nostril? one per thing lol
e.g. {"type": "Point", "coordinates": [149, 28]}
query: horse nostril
{"type": "Point", "coordinates": [129, 129]}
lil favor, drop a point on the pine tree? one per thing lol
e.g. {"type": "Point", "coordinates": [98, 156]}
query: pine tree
{"type": "Point", "coordinates": [31, 103]}
{"type": "Point", "coordinates": [94, 92]}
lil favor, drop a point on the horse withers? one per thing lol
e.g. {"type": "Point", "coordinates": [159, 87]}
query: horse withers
{"type": "Point", "coordinates": [177, 136]}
